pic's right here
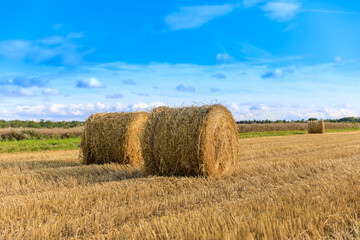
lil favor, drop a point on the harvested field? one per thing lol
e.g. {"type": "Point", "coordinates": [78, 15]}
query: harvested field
{"type": "Point", "coordinates": [292, 187]}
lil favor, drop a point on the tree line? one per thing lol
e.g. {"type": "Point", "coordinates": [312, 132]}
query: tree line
{"type": "Point", "coordinates": [341, 120]}
{"type": "Point", "coordinates": [41, 124]}
{"type": "Point", "coordinates": [71, 124]}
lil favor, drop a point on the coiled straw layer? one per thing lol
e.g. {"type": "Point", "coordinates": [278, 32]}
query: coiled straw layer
{"type": "Point", "coordinates": [190, 141]}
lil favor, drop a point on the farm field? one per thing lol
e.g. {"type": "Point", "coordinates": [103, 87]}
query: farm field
{"type": "Point", "coordinates": [283, 187]}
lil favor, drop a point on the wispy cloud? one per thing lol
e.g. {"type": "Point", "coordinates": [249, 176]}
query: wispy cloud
{"type": "Point", "coordinates": [329, 11]}
{"type": "Point", "coordinates": [281, 11]}
{"type": "Point", "coordinates": [116, 95]}
{"type": "Point", "coordinates": [27, 82]}
{"type": "Point", "coordinates": [89, 83]}
{"type": "Point", "coordinates": [58, 26]}
{"type": "Point", "coordinates": [252, 51]}
{"type": "Point", "coordinates": [185, 88]}
{"type": "Point", "coordinates": [42, 50]}
{"type": "Point", "coordinates": [74, 35]}
{"type": "Point", "coordinates": [129, 82]}
{"type": "Point", "coordinates": [214, 90]}
{"type": "Point", "coordinates": [277, 73]}
{"type": "Point", "coordinates": [251, 3]}
{"type": "Point", "coordinates": [140, 94]}
{"type": "Point", "coordinates": [21, 92]}
{"type": "Point", "coordinates": [196, 16]}
{"type": "Point", "coordinates": [337, 59]}
{"type": "Point", "coordinates": [218, 76]}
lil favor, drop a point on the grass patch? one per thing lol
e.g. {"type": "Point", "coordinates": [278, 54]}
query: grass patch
{"type": "Point", "coordinates": [355, 128]}
{"type": "Point", "coordinates": [33, 145]}
{"type": "Point", "coordinates": [39, 145]}
{"type": "Point", "coordinates": [273, 133]}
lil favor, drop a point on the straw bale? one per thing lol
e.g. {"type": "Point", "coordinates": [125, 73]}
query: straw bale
{"type": "Point", "coordinates": [316, 126]}
{"type": "Point", "coordinates": [190, 141]}
{"type": "Point", "coordinates": [113, 137]}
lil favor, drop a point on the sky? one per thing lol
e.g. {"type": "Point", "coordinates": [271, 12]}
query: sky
{"type": "Point", "coordinates": [263, 59]}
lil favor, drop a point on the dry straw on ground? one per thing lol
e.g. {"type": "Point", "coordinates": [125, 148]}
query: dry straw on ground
{"type": "Point", "coordinates": [316, 126]}
{"type": "Point", "coordinates": [113, 137]}
{"type": "Point", "coordinates": [190, 141]}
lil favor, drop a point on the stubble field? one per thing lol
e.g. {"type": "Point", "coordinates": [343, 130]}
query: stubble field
{"type": "Point", "coordinates": [283, 187]}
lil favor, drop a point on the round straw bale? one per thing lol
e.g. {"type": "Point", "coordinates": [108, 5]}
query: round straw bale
{"type": "Point", "coordinates": [113, 137]}
{"type": "Point", "coordinates": [316, 126]}
{"type": "Point", "coordinates": [190, 141]}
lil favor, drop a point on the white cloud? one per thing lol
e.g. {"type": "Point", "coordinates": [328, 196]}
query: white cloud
{"type": "Point", "coordinates": [31, 110]}
{"type": "Point", "coordinates": [195, 16]}
{"type": "Point", "coordinates": [58, 109]}
{"type": "Point", "coordinates": [313, 85]}
{"type": "Point", "coordinates": [119, 107]}
{"type": "Point", "coordinates": [144, 106]}
{"type": "Point", "coordinates": [89, 83]}
{"type": "Point", "coordinates": [281, 11]}
{"type": "Point", "coordinates": [73, 111]}
{"type": "Point", "coordinates": [100, 106]}
{"type": "Point", "coordinates": [235, 107]}
{"type": "Point", "coordinates": [224, 57]}
{"type": "Point", "coordinates": [279, 112]}
{"type": "Point", "coordinates": [50, 92]}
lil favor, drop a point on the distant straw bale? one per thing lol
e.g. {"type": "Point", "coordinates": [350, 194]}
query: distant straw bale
{"type": "Point", "coordinates": [113, 137]}
{"type": "Point", "coordinates": [190, 141]}
{"type": "Point", "coordinates": [316, 126]}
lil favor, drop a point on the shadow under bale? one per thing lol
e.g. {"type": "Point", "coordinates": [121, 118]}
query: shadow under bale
{"type": "Point", "coordinates": [113, 137]}
{"type": "Point", "coordinates": [190, 141]}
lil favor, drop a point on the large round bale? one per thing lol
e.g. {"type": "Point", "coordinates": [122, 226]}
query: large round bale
{"type": "Point", "coordinates": [316, 127]}
{"type": "Point", "coordinates": [190, 141]}
{"type": "Point", "coordinates": [113, 137]}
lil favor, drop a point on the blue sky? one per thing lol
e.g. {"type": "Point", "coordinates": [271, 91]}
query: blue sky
{"type": "Point", "coordinates": [263, 59]}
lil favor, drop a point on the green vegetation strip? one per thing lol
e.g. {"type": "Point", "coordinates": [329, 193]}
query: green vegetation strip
{"type": "Point", "coordinates": [268, 134]}
{"type": "Point", "coordinates": [39, 145]}
{"type": "Point", "coordinates": [288, 133]}
{"type": "Point", "coordinates": [74, 143]}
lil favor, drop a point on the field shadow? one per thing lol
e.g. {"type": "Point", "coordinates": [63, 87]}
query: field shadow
{"type": "Point", "coordinates": [34, 165]}
{"type": "Point", "coordinates": [90, 174]}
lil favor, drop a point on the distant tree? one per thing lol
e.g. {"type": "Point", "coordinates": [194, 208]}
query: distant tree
{"type": "Point", "coordinates": [312, 119]}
